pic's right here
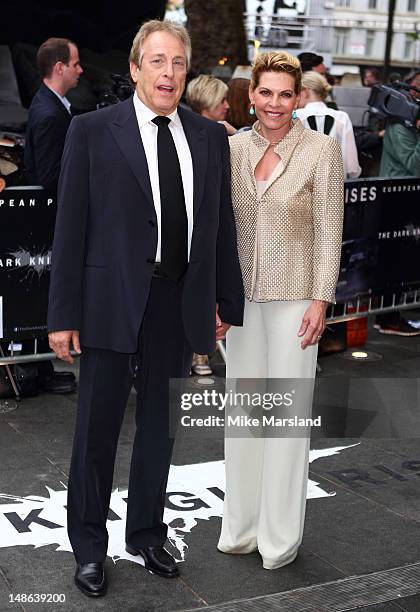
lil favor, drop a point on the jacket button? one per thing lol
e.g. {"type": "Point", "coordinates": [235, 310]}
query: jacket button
{"type": "Point", "coordinates": [150, 260]}
{"type": "Point", "coordinates": [152, 223]}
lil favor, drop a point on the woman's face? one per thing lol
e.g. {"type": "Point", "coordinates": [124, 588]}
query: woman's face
{"type": "Point", "coordinates": [219, 112]}
{"type": "Point", "coordinates": [274, 99]}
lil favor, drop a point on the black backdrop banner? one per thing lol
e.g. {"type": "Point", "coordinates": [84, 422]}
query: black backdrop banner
{"type": "Point", "coordinates": [27, 217]}
{"type": "Point", "coordinates": [381, 238]}
{"type": "Point", "coordinates": [380, 252]}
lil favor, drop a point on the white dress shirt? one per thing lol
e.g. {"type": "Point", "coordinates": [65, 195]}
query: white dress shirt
{"type": "Point", "coordinates": [342, 130]}
{"type": "Point", "coordinates": [148, 133]}
{"type": "Point", "coordinates": [63, 100]}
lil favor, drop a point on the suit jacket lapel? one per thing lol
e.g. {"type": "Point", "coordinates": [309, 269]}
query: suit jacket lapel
{"type": "Point", "coordinates": [125, 130]}
{"type": "Point", "coordinates": [197, 141]}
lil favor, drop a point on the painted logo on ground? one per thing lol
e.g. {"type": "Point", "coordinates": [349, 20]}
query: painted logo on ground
{"type": "Point", "coordinates": [195, 492]}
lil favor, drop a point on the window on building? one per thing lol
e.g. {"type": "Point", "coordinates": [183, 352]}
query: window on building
{"type": "Point", "coordinates": [372, 4]}
{"type": "Point", "coordinates": [343, 3]}
{"type": "Point", "coordinates": [409, 48]}
{"type": "Point", "coordinates": [341, 41]}
{"type": "Point", "coordinates": [370, 39]}
{"type": "Point", "coordinates": [411, 6]}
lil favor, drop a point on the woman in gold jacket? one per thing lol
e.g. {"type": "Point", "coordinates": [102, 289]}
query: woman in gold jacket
{"type": "Point", "coordinates": [287, 190]}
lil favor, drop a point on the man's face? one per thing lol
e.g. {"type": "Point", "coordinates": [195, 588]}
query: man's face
{"type": "Point", "coordinates": [415, 83]}
{"type": "Point", "coordinates": [160, 80]}
{"type": "Point", "coordinates": [72, 70]}
{"type": "Point", "coordinates": [369, 79]}
{"type": "Point", "coordinates": [320, 68]}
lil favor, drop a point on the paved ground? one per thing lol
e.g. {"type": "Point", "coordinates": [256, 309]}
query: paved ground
{"type": "Point", "coordinates": [361, 546]}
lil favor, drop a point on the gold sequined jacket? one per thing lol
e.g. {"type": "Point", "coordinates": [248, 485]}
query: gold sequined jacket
{"type": "Point", "coordinates": [289, 238]}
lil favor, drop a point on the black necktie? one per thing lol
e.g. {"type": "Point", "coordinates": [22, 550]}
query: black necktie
{"type": "Point", "coordinates": [174, 224]}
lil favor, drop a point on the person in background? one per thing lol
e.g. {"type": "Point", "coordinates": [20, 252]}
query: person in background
{"type": "Point", "coordinates": [413, 79]}
{"type": "Point", "coordinates": [312, 61]}
{"type": "Point", "coordinates": [400, 157]}
{"type": "Point", "coordinates": [371, 77]}
{"type": "Point", "coordinates": [401, 148]}
{"type": "Point", "coordinates": [239, 104]}
{"type": "Point", "coordinates": [315, 63]}
{"type": "Point", "coordinates": [287, 195]}
{"type": "Point", "coordinates": [48, 121]}
{"type": "Point", "coordinates": [50, 113]}
{"type": "Point", "coordinates": [394, 77]}
{"type": "Point", "coordinates": [369, 138]}
{"type": "Point", "coordinates": [316, 115]}
{"type": "Point", "coordinates": [207, 96]}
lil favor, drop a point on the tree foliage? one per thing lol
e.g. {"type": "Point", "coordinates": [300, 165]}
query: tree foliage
{"type": "Point", "coordinates": [217, 31]}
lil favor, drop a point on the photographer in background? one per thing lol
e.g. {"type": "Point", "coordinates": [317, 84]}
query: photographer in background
{"type": "Point", "coordinates": [372, 76]}
{"type": "Point", "coordinates": [400, 157]}
{"type": "Point", "coordinates": [401, 147]}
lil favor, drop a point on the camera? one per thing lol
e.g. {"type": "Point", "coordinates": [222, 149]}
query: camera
{"type": "Point", "coordinates": [395, 102]}
{"type": "Point", "coordinates": [121, 89]}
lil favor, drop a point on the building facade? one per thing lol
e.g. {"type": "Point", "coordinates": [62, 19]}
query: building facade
{"type": "Point", "coordinates": [349, 33]}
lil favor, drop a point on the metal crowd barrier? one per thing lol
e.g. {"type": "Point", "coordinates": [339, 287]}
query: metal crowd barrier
{"type": "Point", "coordinates": [348, 311]}
{"type": "Point", "coordinates": [360, 307]}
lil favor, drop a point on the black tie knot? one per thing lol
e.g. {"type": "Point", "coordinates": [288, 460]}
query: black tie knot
{"type": "Point", "coordinates": [161, 121]}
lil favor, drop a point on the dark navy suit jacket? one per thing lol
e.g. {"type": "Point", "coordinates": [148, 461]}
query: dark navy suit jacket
{"type": "Point", "coordinates": [46, 131]}
{"type": "Point", "coordinates": [106, 233]}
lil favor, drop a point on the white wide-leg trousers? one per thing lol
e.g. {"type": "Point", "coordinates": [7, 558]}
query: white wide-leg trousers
{"type": "Point", "coordinates": [266, 478]}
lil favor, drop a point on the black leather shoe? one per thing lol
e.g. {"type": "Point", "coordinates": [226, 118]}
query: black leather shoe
{"type": "Point", "coordinates": [90, 579]}
{"type": "Point", "coordinates": [59, 382]}
{"type": "Point", "coordinates": [65, 376]}
{"type": "Point", "coordinates": [156, 559]}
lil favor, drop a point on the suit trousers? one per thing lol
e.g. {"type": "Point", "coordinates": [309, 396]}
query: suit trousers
{"type": "Point", "coordinates": [266, 477]}
{"type": "Point", "coordinates": [106, 378]}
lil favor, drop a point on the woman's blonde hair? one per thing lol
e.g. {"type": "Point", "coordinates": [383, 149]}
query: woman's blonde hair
{"type": "Point", "coordinates": [154, 25]}
{"type": "Point", "coordinates": [276, 61]}
{"type": "Point", "coordinates": [205, 92]}
{"type": "Point", "coordinates": [316, 83]}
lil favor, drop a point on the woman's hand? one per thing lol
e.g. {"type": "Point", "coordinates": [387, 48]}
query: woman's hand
{"type": "Point", "coordinates": [221, 328]}
{"type": "Point", "coordinates": [229, 128]}
{"type": "Point", "coordinates": [313, 323]}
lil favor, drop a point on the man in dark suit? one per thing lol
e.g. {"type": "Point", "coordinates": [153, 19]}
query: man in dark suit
{"type": "Point", "coordinates": [144, 255]}
{"type": "Point", "coordinates": [48, 121]}
{"type": "Point", "coordinates": [49, 113]}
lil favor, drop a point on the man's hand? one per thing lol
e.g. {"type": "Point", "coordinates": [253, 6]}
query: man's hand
{"type": "Point", "coordinates": [60, 344]}
{"type": "Point", "coordinates": [221, 328]}
{"type": "Point", "coordinates": [313, 323]}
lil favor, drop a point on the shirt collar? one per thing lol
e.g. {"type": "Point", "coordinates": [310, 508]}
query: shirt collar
{"type": "Point", "coordinates": [62, 99]}
{"type": "Point", "coordinates": [145, 115]}
{"type": "Point", "coordinates": [315, 105]}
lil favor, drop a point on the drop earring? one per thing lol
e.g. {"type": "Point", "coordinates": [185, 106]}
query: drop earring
{"type": "Point", "coordinates": [252, 110]}
{"type": "Point", "coordinates": [294, 115]}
